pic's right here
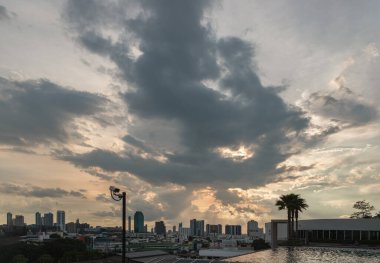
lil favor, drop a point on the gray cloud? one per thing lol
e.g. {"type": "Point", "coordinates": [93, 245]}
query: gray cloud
{"type": "Point", "coordinates": [106, 214]}
{"type": "Point", "coordinates": [34, 112]}
{"type": "Point", "coordinates": [341, 105]}
{"type": "Point", "coordinates": [180, 53]}
{"type": "Point", "coordinates": [227, 197]}
{"type": "Point", "coordinates": [39, 192]}
{"type": "Point", "coordinates": [4, 13]}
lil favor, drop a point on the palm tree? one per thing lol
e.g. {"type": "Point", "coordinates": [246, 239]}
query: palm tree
{"type": "Point", "coordinates": [294, 204]}
{"type": "Point", "coordinates": [285, 203]}
{"type": "Point", "coordinates": [300, 205]}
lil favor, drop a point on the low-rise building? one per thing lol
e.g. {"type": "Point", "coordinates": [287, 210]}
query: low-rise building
{"type": "Point", "coordinates": [327, 230]}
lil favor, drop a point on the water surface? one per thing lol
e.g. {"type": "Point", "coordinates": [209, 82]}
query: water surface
{"type": "Point", "coordinates": [311, 254]}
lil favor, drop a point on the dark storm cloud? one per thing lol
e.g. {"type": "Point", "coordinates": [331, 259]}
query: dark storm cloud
{"type": "Point", "coordinates": [179, 54]}
{"type": "Point", "coordinates": [34, 112]}
{"type": "Point", "coordinates": [35, 191]}
{"type": "Point", "coordinates": [4, 14]}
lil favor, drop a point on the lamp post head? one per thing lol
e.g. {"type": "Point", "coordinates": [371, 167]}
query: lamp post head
{"type": "Point", "coordinates": [114, 190]}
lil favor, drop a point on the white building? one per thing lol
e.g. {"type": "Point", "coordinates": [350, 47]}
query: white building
{"type": "Point", "coordinates": [319, 230]}
{"type": "Point", "coordinates": [253, 230]}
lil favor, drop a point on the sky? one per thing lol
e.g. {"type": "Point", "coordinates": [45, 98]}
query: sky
{"type": "Point", "coordinates": [197, 109]}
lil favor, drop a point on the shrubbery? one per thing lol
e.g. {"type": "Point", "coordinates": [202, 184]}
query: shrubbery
{"type": "Point", "coordinates": [62, 250]}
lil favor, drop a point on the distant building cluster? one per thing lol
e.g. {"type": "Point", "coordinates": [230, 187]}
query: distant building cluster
{"type": "Point", "coordinates": [197, 228]}
{"type": "Point", "coordinates": [45, 222]}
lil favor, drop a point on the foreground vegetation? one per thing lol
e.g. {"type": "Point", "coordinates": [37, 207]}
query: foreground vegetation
{"type": "Point", "coordinates": [59, 250]}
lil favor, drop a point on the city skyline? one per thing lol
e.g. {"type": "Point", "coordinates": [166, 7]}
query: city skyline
{"type": "Point", "coordinates": [196, 227]}
{"type": "Point", "coordinates": [196, 109]}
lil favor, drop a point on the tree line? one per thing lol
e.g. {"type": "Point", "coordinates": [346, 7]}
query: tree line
{"type": "Point", "coordinates": [364, 210]}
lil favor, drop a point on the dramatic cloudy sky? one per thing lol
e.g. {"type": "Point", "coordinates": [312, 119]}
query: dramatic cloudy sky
{"type": "Point", "coordinates": [197, 109]}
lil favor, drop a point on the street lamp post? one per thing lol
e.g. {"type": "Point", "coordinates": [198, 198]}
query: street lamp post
{"type": "Point", "coordinates": [117, 196]}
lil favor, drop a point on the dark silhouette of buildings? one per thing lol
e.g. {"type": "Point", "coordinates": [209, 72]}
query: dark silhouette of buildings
{"type": "Point", "coordinates": [160, 228]}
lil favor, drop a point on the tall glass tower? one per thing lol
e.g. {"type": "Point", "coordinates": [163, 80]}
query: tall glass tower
{"type": "Point", "coordinates": [61, 220]}
{"type": "Point", "coordinates": [139, 222]}
{"type": "Point", "coordinates": [38, 219]}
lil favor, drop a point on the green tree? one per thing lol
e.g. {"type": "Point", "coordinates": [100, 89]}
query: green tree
{"type": "Point", "coordinates": [46, 258]}
{"type": "Point", "coordinates": [19, 259]}
{"type": "Point", "coordinates": [364, 209]}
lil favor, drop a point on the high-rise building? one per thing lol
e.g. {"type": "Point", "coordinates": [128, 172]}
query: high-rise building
{"type": "Point", "coordinates": [139, 222]}
{"type": "Point", "coordinates": [233, 230]}
{"type": "Point", "coordinates": [61, 220]}
{"type": "Point", "coordinates": [9, 219]}
{"type": "Point", "coordinates": [19, 220]}
{"type": "Point", "coordinates": [174, 229]}
{"type": "Point", "coordinates": [48, 220]}
{"type": "Point", "coordinates": [184, 232]}
{"type": "Point", "coordinates": [160, 228]}
{"type": "Point", "coordinates": [71, 227]}
{"type": "Point", "coordinates": [129, 224]}
{"type": "Point", "coordinates": [38, 219]}
{"type": "Point", "coordinates": [213, 229]}
{"type": "Point", "coordinates": [253, 229]}
{"type": "Point", "coordinates": [179, 227]}
{"type": "Point", "coordinates": [197, 227]}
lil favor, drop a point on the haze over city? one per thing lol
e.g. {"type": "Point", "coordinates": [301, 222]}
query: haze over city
{"type": "Point", "coordinates": [197, 109]}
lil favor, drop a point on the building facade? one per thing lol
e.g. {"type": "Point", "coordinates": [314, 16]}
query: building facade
{"type": "Point", "coordinates": [253, 230]}
{"type": "Point", "coordinates": [213, 229]}
{"type": "Point", "coordinates": [9, 219]}
{"type": "Point", "coordinates": [327, 230]}
{"type": "Point", "coordinates": [197, 227]}
{"type": "Point", "coordinates": [38, 219]}
{"type": "Point", "coordinates": [48, 220]}
{"type": "Point", "coordinates": [19, 220]}
{"type": "Point", "coordinates": [234, 230]}
{"type": "Point", "coordinates": [61, 220]}
{"type": "Point", "coordinates": [139, 222]}
{"type": "Point", "coordinates": [71, 227]}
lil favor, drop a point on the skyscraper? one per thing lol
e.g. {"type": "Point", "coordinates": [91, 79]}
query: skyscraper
{"type": "Point", "coordinates": [9, 219]}
{"type": "Point", "coordinates": [129, 224]}
{"type": "Point", "coordinates": [139, 222]}
{"type": "Point", "coordinates": [38, 219]}
{"type": "Point", "coordinates": [160, 228]}
{"type": "Point", "coordinates": [48, 220]}
{"type": "Point", "coordinates": [19, 220]}
{"type": "Point", "coordinates": [61, 220]}
{"type": "Point", "coordinates": [197, 227]}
